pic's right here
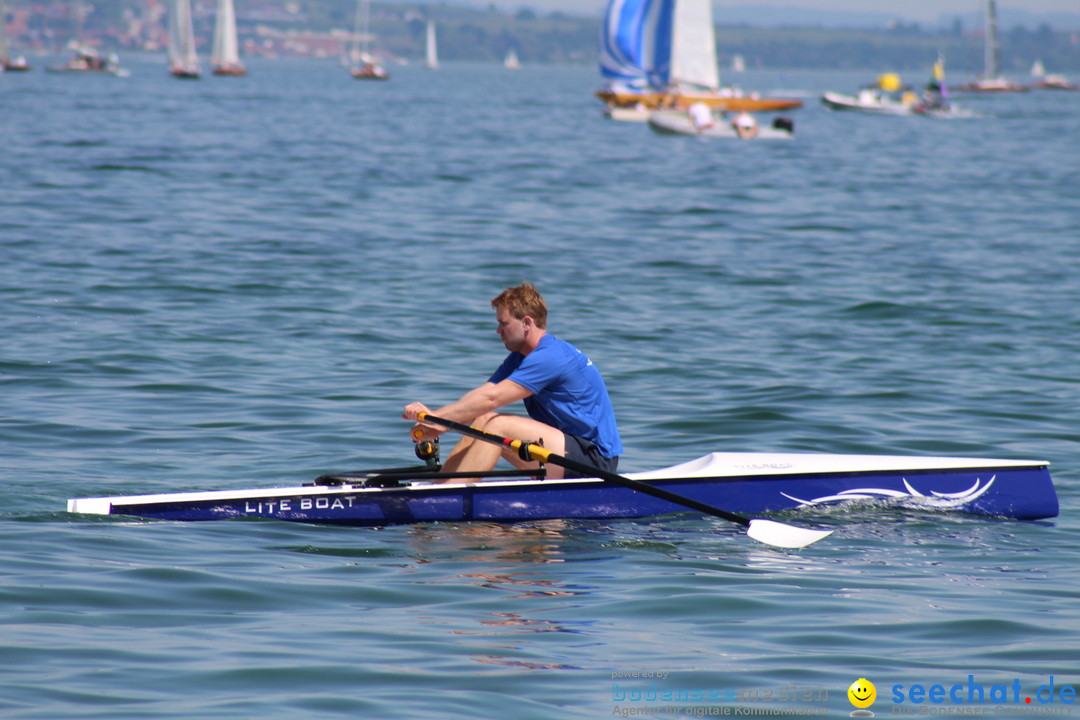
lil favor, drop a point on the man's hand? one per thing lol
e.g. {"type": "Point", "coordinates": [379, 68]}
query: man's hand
{"type": "Point", "coordinates": [420, 432]}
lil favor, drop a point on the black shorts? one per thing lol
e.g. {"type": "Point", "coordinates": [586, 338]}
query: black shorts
{"type": "Point", "coordinates": [583, 451]}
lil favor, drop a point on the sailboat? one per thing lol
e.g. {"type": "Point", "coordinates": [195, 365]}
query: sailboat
{"type": "Point", "coordinates": [183, 60]}
{"type": "Point", "coordinates": [991, 80]}
{"type": "Point", "coordinates": [6, 61]}
{"type": "Point", "coordinates": [87, 59]}
{"type": "Point", "coordinates": [431, 57]}
{"type": "Point", "coordinates": [225, 59]}
{"type": "Point", "coordinates": [511, 62]}
{"type": "Point", "coordinates": [662, 53]}
{"type": "Point", "coordinates": [364, 66]}
{"type": "Point", "coordinates": [1044, 81]}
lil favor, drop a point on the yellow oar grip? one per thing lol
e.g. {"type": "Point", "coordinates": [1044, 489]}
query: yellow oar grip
{"type": "Point", "coordinates": [533, 451]}
{"type": "Point", "coordinates": [418, 433]}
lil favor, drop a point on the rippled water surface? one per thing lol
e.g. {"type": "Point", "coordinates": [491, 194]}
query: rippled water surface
{"type": "Point", "coordinates": [240, 282]}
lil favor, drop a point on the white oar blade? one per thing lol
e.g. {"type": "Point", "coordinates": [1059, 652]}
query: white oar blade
{"type": "Point", "coordinates": [785, 536]}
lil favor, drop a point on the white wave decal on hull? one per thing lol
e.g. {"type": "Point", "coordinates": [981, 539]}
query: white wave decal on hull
{"type": "Point", "coordinates": [912, 497]}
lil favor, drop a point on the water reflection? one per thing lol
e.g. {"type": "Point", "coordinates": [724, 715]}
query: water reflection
{"type": "Point", "coordinates": [516, 561]}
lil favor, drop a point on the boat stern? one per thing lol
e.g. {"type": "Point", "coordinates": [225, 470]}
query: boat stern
{"type": "Point", "coordinates": [90, 506]}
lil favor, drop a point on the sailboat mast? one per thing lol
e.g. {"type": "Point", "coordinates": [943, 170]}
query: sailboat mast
{"type": "Point", "coordinates": [78, 23]}
{"type": "Point", "coordinates": [3, 34]}
{"type": "Point", "coordinates": [992, 61]}
{"type": "Point", "coordinates": [367, 29]}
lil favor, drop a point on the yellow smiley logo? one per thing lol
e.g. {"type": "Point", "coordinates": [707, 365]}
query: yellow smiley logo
{"type": "Point", "coordinates": [862, 693]}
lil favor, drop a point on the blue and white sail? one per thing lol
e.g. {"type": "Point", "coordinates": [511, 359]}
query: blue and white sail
{"type": "Point", "coordinates": [656, 44]}
{"type": "Point", "coordinates": [635, 43]}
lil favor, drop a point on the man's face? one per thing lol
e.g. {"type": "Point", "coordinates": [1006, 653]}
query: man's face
{"type": "Point", "coordinates": [510, 329]}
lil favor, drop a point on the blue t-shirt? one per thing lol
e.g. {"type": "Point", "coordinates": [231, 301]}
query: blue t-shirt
{"type": "Point", "coordinates": [568, 392]}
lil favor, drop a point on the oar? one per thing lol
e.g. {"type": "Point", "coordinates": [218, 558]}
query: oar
{"type": "Point", "coordinates": [769, 532]}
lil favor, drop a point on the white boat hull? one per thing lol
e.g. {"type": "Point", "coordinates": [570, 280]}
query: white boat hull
{"type": "Point", "coordinates": [875, 105]}
{"type": "Point", "coordinates": [679, 123]}
{"type": "Point", "coordinates": [736, 482]}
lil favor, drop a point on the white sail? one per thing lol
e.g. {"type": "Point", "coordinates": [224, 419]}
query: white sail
{"type": "Point", "coordinates": [182, 54]}
{"type": "Point", "coordinates": [693, 45]}
{"type": "Point", "coordinates": [432, 56]}
{"type": "Point", "coordinates": [226, 53]}
{"type": "Point", "coordinates": [511, 62]}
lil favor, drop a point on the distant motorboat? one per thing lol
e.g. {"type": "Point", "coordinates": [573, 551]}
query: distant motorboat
{"type": "Point", "coordinates": [934, 102]}
{"type": "Point", "coordinates": [887, 96]}
{"type": "Point", "coordinates": [869, 100]}
{"type": "Point", "coordinates": [674, 122]}
{"type": "Point", "coordinates": [882, 98]}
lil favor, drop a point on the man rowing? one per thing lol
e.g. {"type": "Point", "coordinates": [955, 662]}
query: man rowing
{"type": "Point", "coordinates": [564, 395]}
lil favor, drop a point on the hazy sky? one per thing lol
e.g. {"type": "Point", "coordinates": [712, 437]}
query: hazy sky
{"type": "Point", "coordinates": [909, 10]}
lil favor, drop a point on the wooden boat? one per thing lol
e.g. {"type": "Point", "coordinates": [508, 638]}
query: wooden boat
{"type": "Point", "coordinates": [662, 54]}
{"type": "Point", "coordinates": [991, 81]}
{"type": "Point", "coordinates": [225, 58]}
{"type": "Point", "coordinates": [682, 100]}
{"type": "Point", "coordinates": [183, 58]}
{"type": "Point", "coordinates": [680, 123]}
{"type": "Point", "coordinates": [738, 482]}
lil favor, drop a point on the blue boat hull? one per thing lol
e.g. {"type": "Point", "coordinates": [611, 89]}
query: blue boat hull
{"type": "Point", "coordinates": [1012, 491]}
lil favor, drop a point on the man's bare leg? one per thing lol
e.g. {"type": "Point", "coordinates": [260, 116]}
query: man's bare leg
{"type": "Point", "coordinates": [479, 455]}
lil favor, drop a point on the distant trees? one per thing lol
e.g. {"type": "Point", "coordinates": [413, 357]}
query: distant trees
{"type": "Point", "coordinates": [485, 34]}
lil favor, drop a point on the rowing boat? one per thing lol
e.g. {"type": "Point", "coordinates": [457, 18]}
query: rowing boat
{"type": "Point", "coordinates": [740, 482]}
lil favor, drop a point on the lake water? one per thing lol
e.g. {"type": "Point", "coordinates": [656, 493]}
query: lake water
{"type": "Point", "coordinates": [240, 282]}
